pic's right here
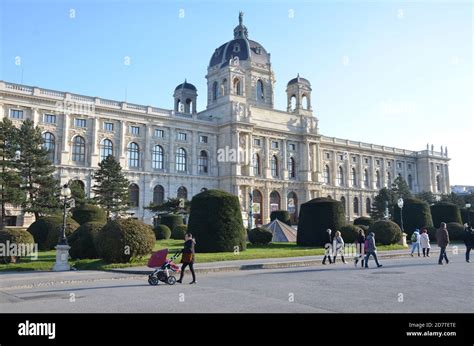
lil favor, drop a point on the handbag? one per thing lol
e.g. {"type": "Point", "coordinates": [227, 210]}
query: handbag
{"type": "Point", "coordinates": [187, 258]}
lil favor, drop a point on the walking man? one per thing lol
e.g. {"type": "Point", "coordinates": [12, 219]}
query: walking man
{"type": "Point", "coordinates": [468, 240]}
{"type": "Point", "coordinates": [328, 248]}
{"type": "Point", "coordinates": [371, 250]}
{"type": "Point", "coordinates": [442, 238]}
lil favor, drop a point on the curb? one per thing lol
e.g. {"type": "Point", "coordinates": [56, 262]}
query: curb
{"type": "Point", "coordinates": [257, 266]}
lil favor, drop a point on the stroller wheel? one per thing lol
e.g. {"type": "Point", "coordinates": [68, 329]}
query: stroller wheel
{"type": "Point", "coordinates": [171, 280]}
{"type": "Point", "coordinates": [153, 280]}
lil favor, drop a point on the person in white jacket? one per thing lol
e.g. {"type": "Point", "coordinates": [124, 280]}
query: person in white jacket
{"type": "Point", "coordinates": [425, 242]}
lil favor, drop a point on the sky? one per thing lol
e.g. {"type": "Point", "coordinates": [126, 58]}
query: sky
{"type": "Point", "coordinates": [394, 73]}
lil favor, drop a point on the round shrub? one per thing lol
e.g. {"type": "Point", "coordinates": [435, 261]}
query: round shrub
{"type": "Point", "coordinates": [456, 231]}
{"type": "Point", "coordinates": [23, 240]}
{"type": "Point", "coordinates": [162, 232]}
{"type": "Point", "coordinates": [83, 240]}
{"type": "Point", "coordinates": [216, 222]}
{"type": "Point", "coordinates": [349, 233]}
{"type": "Point", "coordinates": [364, 221]}
{"type": "Point", "coordinates": [46, 230]}
{"type": "Point", "coordinates": [416, 214]}
{"type": "Point", "coordinates": [260, 236]}
{"type": "Point", "coordinates": [171, 220]}
{"type": "Point", "coordinates": [179, 232]}
{"type": "Point", "coordinates": [386, 232]}
{"type": "Point", "coordinates": [466, 217]}
{"type": "Point", "coordinates": [316, 216]}
{"type": "Point", "coordinates": [121, 240]}
{"type": "Point", "coordinates": [89, 213]}
{"type": "Point", "coordinates": [282, 215]}
{"type": "Point", "coordinates": [432, 233]}
{"type": "Point", "coordinates": [445, 212]}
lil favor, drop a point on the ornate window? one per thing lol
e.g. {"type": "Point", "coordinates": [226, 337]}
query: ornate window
{"type": "Point", "coordinates": [343, 201]}
{"type": "Point", "coordinates": [157, 157]}
{"type": "Point", "coordinates": [327, 175]}
{"type": "Point", "coordinates": [214, 91]}
{"type": "Point", "coordinates": [256, 165]}
{"type": "Point", "coordinates": [354, 177]}
{"type": "Point", "coordinates": [368, 205]}
{"type": "Point", "coordinates": [340, 176]}
{"type": "Point", "coordinates": [203, 162]}
{"type": "Point", "coordinates": [274, 166]}
{"type": "Point", "coordinates": [237, 86]}
{"type": "Point", "coordinates": [377, 179]}
{"type": "Point", "coordinates": [78, 149]}
{"type": "Point", "coordinates": [134, 195]}
{"type": "Point", "coordinates": [181, 159]}
{"type": "Point", "coordinates": [260, 91]}
{"type": "Point", "coordinates": [49, 143]}
{"type": "Point", "coordinates": [389, 180]}
{"type": "Point", "coordinates": [182, 193]}
{"type": "Point", "coordinates": [106, 149]}
{"type": "Point", "coordinates": [158, 195]}
{"type": "Point", "coordinates": [356, 205]}
{"type": "Point", "coordinates": [366, 179]}
{"type": "Point", "coordinates": [274, 201]}
{"type": "Point", "coordinates": [133, 151]}
{"type": "Point", "coordinates": [410, 181]}
{"type": "Point", "coordinates": [291, 168]}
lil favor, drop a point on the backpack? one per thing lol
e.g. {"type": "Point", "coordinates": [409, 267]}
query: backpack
{"type": "Point", "coordinates": [414, 238]}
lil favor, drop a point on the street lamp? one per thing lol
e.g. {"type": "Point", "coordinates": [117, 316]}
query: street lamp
{"type": "Point", "coordinates": [62, 249]}
{"type": "Point", "coordinates": [468, 206]}
{"type": "Point", "coordinates": [400, 205]}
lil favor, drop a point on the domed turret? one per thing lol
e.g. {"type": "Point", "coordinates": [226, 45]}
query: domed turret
{"type": "Point", "coordinates": [298, 91]}
{"type": "Point", "coordinates": [185, 97]}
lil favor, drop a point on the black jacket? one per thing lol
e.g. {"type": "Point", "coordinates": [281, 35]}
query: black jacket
{"type": "Point", "coordinates": [469, 237]}
{"type": "Point", "coordinates": [189, 246]}
{"type": "Point", "coordinates": [360, 239]}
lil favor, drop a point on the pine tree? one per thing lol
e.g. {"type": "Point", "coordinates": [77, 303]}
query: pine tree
{"type": "Point", "coordinates": [36, 171]}
{"type": "Point", "coordinates": [10, 180]}
{"type": "Point", "coordinates": [427, 196]}
{"type": "Point", "coordinates": [384, 199]}
{"type": "Point", "coordinates": [111, 187]}
{"type": "Point", "coordinates": [400, 188]}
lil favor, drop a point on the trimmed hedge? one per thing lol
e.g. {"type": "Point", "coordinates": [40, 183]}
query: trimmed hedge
{"type": "Point", "coordinates": [216, 222]}
{"type": "Point", "coordinates": [24, 243]}
{"type": "Point", "coordinates": [179, 232]}
{"type": "Point", "coordinates": [386, 232]}
{"type": "Point", "coordinates": [260, 236]}
{"type": "Point", "coordinates": [464, 215]}
{"type": "Point", "coordinates": [364, 221]}
{"type": "Point", "coordinates": [349, 233]}
{"type": "Point", "coordinates": [89, 213]}
{"type": "Point", "coordinates": [121, 240]}
{"type": "Point", "coordinates": [83, 240]}
{"type": "Point", "coordinates": [456, 231]}
{"type": "Point", "coordinates": [316, 216]}
{"type": "Point", "coordinates": [445, 212]}
{"type": "Point", "coordinates": [171, 220]}
{"type": "Point", "coordinates": [282, 215]}
{"type": "Point", "coordinates": [416, 214]}
{"type": "Point", "coordinates": [162, 232]}
{"type": "Point", "coordinates": [46, 230]}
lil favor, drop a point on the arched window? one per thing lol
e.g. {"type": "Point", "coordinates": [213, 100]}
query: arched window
{"type": "Point", "coordinates": [214, 91]}
{"type": "Point", "coordinates": [410, 181]}
{"type": "Point", "coordinates": [389, 180]}
{"type": "Point", "coordinates": [354, 177]}
{"type": "Point", "coordinates": [304, 102]}
{"type": "Point", "coordinates": [327, 175]}
{"type": "Point", "coordinates": [189, 106]}
{"type": "Point", "coordinates": [49, 143]}
{"type": "Point", "coordinates": [133, 151]}
{"type": "Point", "coordinates": [292, 102]}
{"type": "Point", "coordinates": [366, 179]}
{"type": "Point", "coordinates": [356, 205]}
{"type": "Point", "coordinates": [181, 160]}
{"type": "Point", "coordinates": [182, 193]}
{"type": "Point", "coordinates": [134, 195]}
{"type": "Point", "coordinates": [377, 179]}
{"type": "Point", "coordinates": [257, 207]}
{"type": "Point", "coordinates": [260, 91]}
{"type": "Point", "coordinates": [78, 149]}
{"type": "Point", "coordinates": [368, 205]}
{"type": "Point", "coordinates": [158, 195]}
{"type": "Point", "coordinates": [224, 87]}
{"type": "Point", "coordinates": [106, 149]}
{"type": "Point", "coordinates": [274, 201]}
{"type": "Point", "coordinates": [329, 196]}
{"type": "Point", "coordinates": [237, 87]}
{"type": "Point", "coordinates": [157, 157]}
{"type": "Point", "coordinates": [292, 206]}
{"type": "Point", "coordinates": [343, 201]}
{"type": "Point", "coordinates": [203, 162]}
{"type": "Point", "coordinates": [256, 164]}
{"type": "Point", "coordinates": [340, 176]}
{"type": "Point", "coordinates": [438, 183]}
{"type": "Point", "coordinates": [274, 166]}
{"type": "Point", "coordinates": [179, 106]}
{"type": "Point", "coordinates": [291, 168]}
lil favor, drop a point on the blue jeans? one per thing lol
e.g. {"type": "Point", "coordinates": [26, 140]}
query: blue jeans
{"type": "Point", "coordinates": [415, 246]}
{"type": "Point", "coordinates": [367, 258]}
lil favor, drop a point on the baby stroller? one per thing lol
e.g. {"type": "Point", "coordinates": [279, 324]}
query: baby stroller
{"type": "Point", "coordinates": [163, 267]}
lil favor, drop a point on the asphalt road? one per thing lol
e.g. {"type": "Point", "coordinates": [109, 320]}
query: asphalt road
{"type": "Point", "coordinates": [401, 285]}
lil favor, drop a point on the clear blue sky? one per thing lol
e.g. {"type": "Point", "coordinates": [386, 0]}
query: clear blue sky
{"type": "Point", "coordinates": [388, 72]}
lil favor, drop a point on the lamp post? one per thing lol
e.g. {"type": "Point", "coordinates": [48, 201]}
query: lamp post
{"type": "Point", "coordinates": [400, 205]}
{"type": "Point", "coordinates": [62, 249]}
{"type": "Point", "coordinates": [468, 207]}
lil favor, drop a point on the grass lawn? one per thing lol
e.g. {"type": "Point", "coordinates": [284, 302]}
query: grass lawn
{"type": "Point", "coordinates": [46, 259]}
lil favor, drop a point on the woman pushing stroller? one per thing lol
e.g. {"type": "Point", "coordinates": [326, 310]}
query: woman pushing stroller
{"type": "Point", "coordinates": [188, 257]}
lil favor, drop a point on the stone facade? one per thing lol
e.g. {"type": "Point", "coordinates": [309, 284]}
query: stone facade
{"type": "Point", "coordinates": [239, 143]}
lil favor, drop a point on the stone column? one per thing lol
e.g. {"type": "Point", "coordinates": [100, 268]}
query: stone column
{"type": "Point", "coordinates": [266, 160]}
{"type": "Point", "coordinates": [122, 148]}
{"type": "Point", "coordinates": [35, 116]}
{"type": "Point", "coordinates": [94, 145]}
{"type": "Point", "coordinates": [147, 167]}
{"type": "Point", "coordinates": [65, 140]}
{"type": "Point", "coordinates": [334, 169]}
{"type": "Point", "coordinates": [171, 154]}
{"type": "Point", "coordinates": [194, 160]}
{"type": "Point", "coordinates": [284, 154]}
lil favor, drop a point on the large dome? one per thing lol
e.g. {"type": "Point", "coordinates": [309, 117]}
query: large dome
{"type": "Point", "coordinates": [240, 47]}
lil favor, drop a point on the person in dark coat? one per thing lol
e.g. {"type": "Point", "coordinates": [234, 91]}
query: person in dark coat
{"type": "Point", "coordinates": [442, 238]}
{"type": "Point", "coordinates": [328, 247]}
{"type": "Point", "coordinates": [360, 244]}
{"type": "Point", "coordinates": [371, 250]}
{"type": "Point", "coordinates": [468, 240]}
{"type": "Point", "coordinates": [187, 257]}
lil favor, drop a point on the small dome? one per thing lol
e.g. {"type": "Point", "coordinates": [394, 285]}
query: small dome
{"type": "Point", "coordinates": [186, 85]}
{"type": "Point", "coordinates": [299, 79]}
